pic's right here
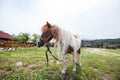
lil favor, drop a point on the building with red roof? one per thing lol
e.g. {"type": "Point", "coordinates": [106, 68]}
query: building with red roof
{"type": "Point", "coordinates": [5, 36]}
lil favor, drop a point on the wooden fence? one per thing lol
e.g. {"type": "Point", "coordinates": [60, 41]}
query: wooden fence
{"type": "Point", "coordinates": [14, 45]}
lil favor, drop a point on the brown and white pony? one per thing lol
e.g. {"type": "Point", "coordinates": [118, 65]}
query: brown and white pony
{"type": "Point", "coordinates": [65, 42]}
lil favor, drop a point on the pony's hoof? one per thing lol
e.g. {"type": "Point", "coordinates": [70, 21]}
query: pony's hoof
{"type": "Point", "coordinates": [63, 71]}
{"type": "Point", "coordinates": [74, 69]}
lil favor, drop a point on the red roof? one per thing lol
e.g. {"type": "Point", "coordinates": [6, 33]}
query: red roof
{"type": "Point", "coordinates": [4, 35]}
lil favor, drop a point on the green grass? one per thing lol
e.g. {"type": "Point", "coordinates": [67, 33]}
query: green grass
{"type": "Point", "coordinates": [97, 64]}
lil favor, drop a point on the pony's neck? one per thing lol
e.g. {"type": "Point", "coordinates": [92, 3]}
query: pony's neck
{"type": "Point", "coordinates": [58, 34]}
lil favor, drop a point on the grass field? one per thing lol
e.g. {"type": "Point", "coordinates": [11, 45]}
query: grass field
{"type": "Point", "coordinates": [30, 64]}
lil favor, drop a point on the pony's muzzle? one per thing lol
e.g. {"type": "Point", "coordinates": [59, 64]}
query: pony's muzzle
{"type": "Point", "coordinates": [41, 43]}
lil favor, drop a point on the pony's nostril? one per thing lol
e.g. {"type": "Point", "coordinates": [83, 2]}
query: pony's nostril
{"type": "Point", "coordinates": [38, 42]}
{"type": "Point", "coordinates": [41, 43]}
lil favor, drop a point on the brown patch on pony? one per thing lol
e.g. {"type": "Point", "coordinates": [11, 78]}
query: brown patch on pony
{"type": "Point", "coordinates": [70, 50]}
{"type": "Point", "coordinates": [44, 28]}
{"type": "Point", "coordinates": [75, 36]}
{"type": "Point", "coordinates": [56, 32]}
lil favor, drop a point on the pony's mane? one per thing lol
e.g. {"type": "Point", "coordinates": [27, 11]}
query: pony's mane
{"type": "Point", "coordinates": [45, 27]}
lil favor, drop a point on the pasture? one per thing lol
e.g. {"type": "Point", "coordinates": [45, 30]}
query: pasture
{"type": "Point", "coordinates": [30, 64]}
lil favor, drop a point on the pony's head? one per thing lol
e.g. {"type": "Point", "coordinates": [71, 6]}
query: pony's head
{"type": "Point", "coordinates": [48, 32]}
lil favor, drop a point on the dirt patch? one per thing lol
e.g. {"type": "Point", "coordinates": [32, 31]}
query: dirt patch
{"type": "Point", "coordinates": [51, 72]}
{"type": "Point", "coordinates": [116, 54]}
{"type": "Point", "coordinates": [2, 71]}
{"type": "Point", "coordinates": [119, 58]}
{"type": "Point", "coordinates": [31, 66]}
{"type": "Point", "coordinates": [92, 50]}
{"type": "Point", "coordinates": [106, 77]}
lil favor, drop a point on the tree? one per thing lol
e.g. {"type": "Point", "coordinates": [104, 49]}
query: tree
{"type": "Point", "coordinates": [14, 38]}
{"type": "Point", "coordinates": [24, 37]}
{"type": "Point", "coordinates": [35, 38]}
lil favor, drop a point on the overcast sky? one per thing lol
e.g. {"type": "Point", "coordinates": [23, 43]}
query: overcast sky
{"type": "Point", "coordinates": [91, 19]}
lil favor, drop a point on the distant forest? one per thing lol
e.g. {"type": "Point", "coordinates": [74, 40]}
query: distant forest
{"type": "Point", "coordinates": [107, 42]}
{"type": "Point", "coordinates": [101, 42]}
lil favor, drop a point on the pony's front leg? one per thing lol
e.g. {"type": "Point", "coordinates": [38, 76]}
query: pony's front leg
{"type": "Point", "coordinates": [59, 53]}
{"type": "Point", "coordinates": [79, 52]}
{"type": "Point", "coordinates": [74, 61]}
{"type": "Point", "coordinates": [79, 62]}
{"type": "Point", "coordinates": [64, 62]}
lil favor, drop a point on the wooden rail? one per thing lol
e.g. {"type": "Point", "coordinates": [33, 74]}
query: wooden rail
{"type": "Point", "coordinates": [13, 45]}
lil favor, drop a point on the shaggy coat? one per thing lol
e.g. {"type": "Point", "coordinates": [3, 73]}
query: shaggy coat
{"type": "Point", "coordinates": [66, 42]}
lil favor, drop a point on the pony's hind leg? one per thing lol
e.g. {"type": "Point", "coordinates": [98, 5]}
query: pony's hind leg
{"type": "Point", "coordinates": [64, 62]}
{"type": "Point", "coordinates": [79, 51]}
{"type": "Point", "coordinates": [74, 61]}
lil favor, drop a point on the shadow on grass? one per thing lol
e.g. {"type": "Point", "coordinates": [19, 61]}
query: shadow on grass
{"type": "Point", "coordinates": [70, 75]}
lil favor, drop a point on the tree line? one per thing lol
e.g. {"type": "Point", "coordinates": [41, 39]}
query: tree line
{"type": "Point", "coordinates": [102, 43]}
{"type": "Point", "coordinates": [26, 37]}
{"type": "Point", "coordinates": [107, 42]}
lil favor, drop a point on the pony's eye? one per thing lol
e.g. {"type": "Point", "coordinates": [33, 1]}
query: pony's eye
{"type": "Point", "coordinates": [45, 32]}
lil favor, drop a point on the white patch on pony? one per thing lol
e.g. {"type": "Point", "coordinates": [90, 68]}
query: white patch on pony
{"type": "Point", "coordinates": [68, 39]}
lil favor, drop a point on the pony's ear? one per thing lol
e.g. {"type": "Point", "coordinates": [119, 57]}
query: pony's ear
{"type": "Point", "coordinates": [48, 24]}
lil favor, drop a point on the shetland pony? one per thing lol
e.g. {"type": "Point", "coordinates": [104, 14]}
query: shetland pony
{"type": "Point", "coordinates": [66, 42]}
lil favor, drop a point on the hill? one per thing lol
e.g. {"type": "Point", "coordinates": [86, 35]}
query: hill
{"type": "Point", "coordinates": [101, 42]}
{"type": "Point", "coordinates": [107, 42]}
